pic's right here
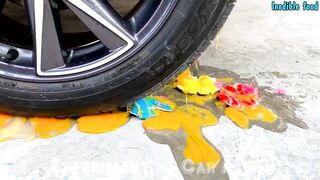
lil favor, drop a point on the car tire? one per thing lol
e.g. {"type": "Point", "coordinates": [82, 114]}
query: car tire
{"type": "Point", "coordinates": [183, 37]}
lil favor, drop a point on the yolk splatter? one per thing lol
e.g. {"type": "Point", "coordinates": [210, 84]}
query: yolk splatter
{"type": "Point", "coordinates": [17, 128]}
{"type": "Point", "coordinates": [237, 117]}
{"type": "Point", "coordinates": [4, 119]}
{"type": "Point", "coordinates": [226, 80]}
{"type": "Point", "coordinates": [260, 113]}
{"type": "Point", "coordinates": [200, 100]}
{"type": "Point", "coordinates": [191, 119]}
{"type": "Point", "coordinates": [254, 113]}
{"type": "Point", "coordinates": [102, 123]}
{"type": "Point", "coordinates": [164, 121]}
{"type": "Point", "coordinates": [50, 127]}
{"type": "Point", "coordinates": [220, 105]}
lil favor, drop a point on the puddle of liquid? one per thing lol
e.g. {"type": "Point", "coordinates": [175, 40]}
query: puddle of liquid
{"type": "Point", "coordinates": [261, 113]}
{"type": "Point", "coordinates": [50, 127]}
{"type": "Point", "coordinates": [4, 119]}
{"type": "Point", "coordinates": [242, 118]}
{"type": "Point", "coordinates": [273, 113]}
{"type": "Point", "coordinates": [180, 129]}
{"type": "Point", "coordinates": [191, 119]}
{"type": "Point", "coordinates": [102, 123]}
{"type": "Point", "coordinates": [237, 117]}
{"type": "Point", "coordinates": [200, 100]}
{"type": "Point", "coordinates": [12, 128]}
{"type": "Point", "coordinates": [16, 128]}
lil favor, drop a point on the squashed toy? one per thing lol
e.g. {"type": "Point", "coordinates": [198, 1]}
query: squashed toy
{"type": "Point", "coordinates": [147, 107]}
{"type": "Point", "coordinates": [189, 84]}
{"type": "Point", "coordinates": [243, 105]}
{"type": "Point", "coordinates": [239, 95]}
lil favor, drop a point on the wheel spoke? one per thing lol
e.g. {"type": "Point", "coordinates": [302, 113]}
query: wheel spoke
{"type": "Point", "coordinates": [142, 15]}
{"type": "Point", "coordinates": [55, 46]}
{"type": "Point", "coordinates": [46, 42]}
{"type": "Point", "coordinates": [111, 31]}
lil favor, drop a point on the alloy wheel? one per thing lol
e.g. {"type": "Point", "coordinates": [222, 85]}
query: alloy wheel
{"type": "Point", "coordinates": [43, 50]}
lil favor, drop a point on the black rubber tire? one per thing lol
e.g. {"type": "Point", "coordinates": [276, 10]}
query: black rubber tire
{"type": "Point", "coordinates": [187, 33]}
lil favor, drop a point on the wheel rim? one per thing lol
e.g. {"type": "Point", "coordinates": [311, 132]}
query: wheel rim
{"type": "Point", "coordinates": [112, 38]}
